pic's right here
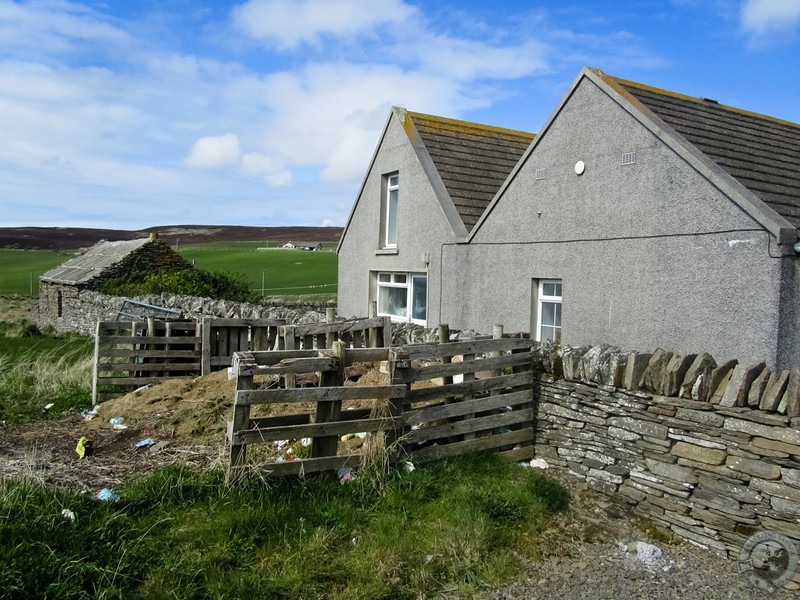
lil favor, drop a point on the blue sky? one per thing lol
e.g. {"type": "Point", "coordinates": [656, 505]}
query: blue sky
{"type": "Point", "coordinates": [266, 112]}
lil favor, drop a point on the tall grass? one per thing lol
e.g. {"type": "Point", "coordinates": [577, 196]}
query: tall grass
{"type": "Point", "coordinates": [34, 377]}
{"type": "Point", "coordinates": [452, 525]}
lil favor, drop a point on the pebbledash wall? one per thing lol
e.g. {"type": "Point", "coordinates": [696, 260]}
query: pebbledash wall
{"type": "Point", "coordinates": [708, 453]}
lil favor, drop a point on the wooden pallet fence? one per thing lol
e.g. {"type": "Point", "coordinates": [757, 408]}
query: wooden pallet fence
{"type": "Point", "coordinates": [325, 425]}
{"type": "Point", "coordinates": [131, 354]}
{"type": "Point", "coordinates": [475, 409]}
{"type": "Point", "coordinates": [223, 337]}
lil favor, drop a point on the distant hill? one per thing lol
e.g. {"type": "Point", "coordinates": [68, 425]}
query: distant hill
{"type": "Point", "coordinates": [69, 238]}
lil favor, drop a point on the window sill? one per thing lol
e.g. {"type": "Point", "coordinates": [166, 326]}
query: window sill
{"type": "Point", "coordinates": [385, 251]}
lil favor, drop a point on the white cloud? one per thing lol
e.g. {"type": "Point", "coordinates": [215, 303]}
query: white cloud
{"type": "Point", "coordinates": [214, 152]}
{"type": "Point", "coordinates": [288, 23]}
{"type": "Point", "coordinates": [763, 17]}
{"type": "Point", "coordinates": [255, 164]}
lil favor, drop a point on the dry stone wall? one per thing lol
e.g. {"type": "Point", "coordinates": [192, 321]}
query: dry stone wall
{"type": "Point", "coordinates": [707, 453]}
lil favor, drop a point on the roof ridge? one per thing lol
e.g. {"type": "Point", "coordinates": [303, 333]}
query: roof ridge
{"type": "Point", "coordinates": [612, 80]}
{"type": "Point", "coordinates": [471, 125]}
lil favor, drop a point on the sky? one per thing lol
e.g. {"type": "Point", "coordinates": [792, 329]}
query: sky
{"type": "Point", "coordinates": [133, 114]}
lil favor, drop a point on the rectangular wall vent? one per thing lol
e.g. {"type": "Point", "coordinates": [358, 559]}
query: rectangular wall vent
{"type": "Point", "coordinates": [541, 173]}
{"type": "Point", "coordinates": [629, 158]}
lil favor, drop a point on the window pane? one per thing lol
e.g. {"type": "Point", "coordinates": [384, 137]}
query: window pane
{"type": "Point", "coordinates": [557, 290]}
{"type": "Point", "coordinates": [419, 295]}
{"type": "Point", "coordinates": [391, 219]}
{"type": "Point", "coordinates": [392, 301]}
{"type": "Point", "coordinates": [394, 180]}
{"type": "Point", "coordinates": [384, 277]}
{"type": "Point", "coordinates": [557, 315]}
{"type": "Point", "coordinates": [400, 278]}
{"type": "Point", "coordinates": [548, 333]}
{"type": "Point", "coordinates": [549, 314]}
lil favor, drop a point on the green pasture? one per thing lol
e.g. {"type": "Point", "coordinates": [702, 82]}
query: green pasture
{"type": "Point", "coordinates": [20, 269]}
{"type": "Point", "coordinates": [283, 271]}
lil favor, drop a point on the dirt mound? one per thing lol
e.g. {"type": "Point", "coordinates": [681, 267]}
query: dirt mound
{"type": "Point", "coordinates": [182, 421]}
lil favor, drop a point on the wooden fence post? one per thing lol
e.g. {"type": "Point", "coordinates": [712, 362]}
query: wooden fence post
{"type": "Point", "coordinates": [95, 363]}
{"type": "Point", "coordinates": [241, 412]}
{"type": "Point", "coordinates": [387, 332]}
{"type": "Point", "coordinates": [289, 379]}
{"type": "Point", "coordinates": [399, 362]}
{"type": "Point", "coordinates": [330, 317]}
{"type": "Point", "coordinates": [330, 411]}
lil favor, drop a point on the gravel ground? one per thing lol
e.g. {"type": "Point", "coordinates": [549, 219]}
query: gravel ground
{"type": "Point", "coordinates": [593, 556]}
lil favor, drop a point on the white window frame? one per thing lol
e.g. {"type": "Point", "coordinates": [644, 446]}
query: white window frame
{"type": "Point", "coordinates": [555, 299]}
{"type": "Point", "coordinates": [392, 279]}
{"type": "Point", "coordinates": [392, 204]}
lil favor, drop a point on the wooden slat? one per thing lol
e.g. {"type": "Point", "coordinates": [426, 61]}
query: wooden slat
{"type": "Point", "coordinates": [320, 394]}
{"type": "Point", "coordinates": [274, 357]}
{"type": "Point", "coordinates": [517, 454]}
{"type": "Point", "coordinates": [247, 322]}
{"type": "Point", "coordinates": [291, 432]}
{"type": "Point", "coordinates": [469, 366]}
{"type": "Point", "coordinates": [281, 421]}
{"type": "Point", "coordinates": [311, 465]}
{"type": "Point", "coordinates": [293, 365]}
{"type": "Point", "coordinates": [336, 326]}
{"type": "Point", "coordinates": [133, 381]}
{"type": "Point", "coordinates": [149, 339]}
{"type": "Point", "coordinates": [104, 367]}
{"type": "Point", "coordinates": [485, 443]}
{"type": "Point", "coordinates": [356, 355]}
{"type": "Point", "coordinates": [444, 411]}
{"type": "Point", "coordinates": [127, 352]}
{"type": "Point", "coordinates": [468, 426]}
{"type": "Point", "coordinates": [470, 387]}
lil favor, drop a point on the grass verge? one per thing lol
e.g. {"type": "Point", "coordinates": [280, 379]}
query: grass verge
{"type": "Point", "coordinates": [38, 369]}
{"type": "Point", "coordinates": [455, 525]}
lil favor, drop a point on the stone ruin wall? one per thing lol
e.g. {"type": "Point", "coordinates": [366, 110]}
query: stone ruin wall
{"type": "Point", "coordinates": [711, 462]}
{"type": "Point", "coordinates": [87, 307]}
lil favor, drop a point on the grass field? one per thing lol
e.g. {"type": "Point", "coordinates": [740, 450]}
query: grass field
{"type": "Point", "coordinates": [282, 271]}
{"type": "Point", "coordinates": [20, 269]}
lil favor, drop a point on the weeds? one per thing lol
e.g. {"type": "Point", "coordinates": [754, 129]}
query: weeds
{"type": "Point", "coordinates": [451, 525]}
{"type": "Point", "coordinates": [32, 378]}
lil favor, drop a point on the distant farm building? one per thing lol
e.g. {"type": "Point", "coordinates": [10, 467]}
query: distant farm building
{"type": "Point", "coordinates": [311, 246]}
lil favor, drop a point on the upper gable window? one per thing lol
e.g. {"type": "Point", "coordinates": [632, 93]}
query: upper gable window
{"type": "Point", "coordinates": [391, 197]}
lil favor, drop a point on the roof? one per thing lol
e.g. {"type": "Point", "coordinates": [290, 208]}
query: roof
{"type": "Point", "coordinates": [95, 260]}
{"type": "Point", "coordinates": [472, 160]}
{"type": "Point", "coordinates": [760, 152]}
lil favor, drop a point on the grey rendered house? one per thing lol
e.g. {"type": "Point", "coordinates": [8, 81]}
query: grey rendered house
{"type": "Point", "coordinates": [637, 217]}
{"type": "Point", "coordinates": [429, 181]}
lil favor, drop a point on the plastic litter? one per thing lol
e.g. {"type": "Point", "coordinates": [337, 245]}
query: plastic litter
{"type": "Point", "coordinates": [116, 423]}
{"type": "Point", "coordinates": [408, 466]}
{"type": "Point", "coordinates": [346, 474]}
{"type": "Point", "coordinates": [159, 446]}
{"type": "Point", "coordinates": [107, 495]}
{"type": "Point", "coordinates": [84, 447]}
{"type": "Point", "coordinates": [49, 406]}
{"type": "Point", "coordinates": [305, 442]}
{"type": "Point", "coordinates": [68, 514]}
{"type": "Point", "coordinates": [143, 443]}
{"type": "Point", "coordinates": [88, 415]}
{"type": "Point", "coordinates": [539, 463]}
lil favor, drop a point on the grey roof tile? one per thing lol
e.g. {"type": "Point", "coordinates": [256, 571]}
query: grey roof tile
{"type": "Point", "coordinates": [473, 160]}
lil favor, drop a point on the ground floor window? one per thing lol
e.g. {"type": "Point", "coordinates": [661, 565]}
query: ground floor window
{"type": "Point", "coordinates": [403, 296]}
{"type": "Point", "coordinates": [549, 313]}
